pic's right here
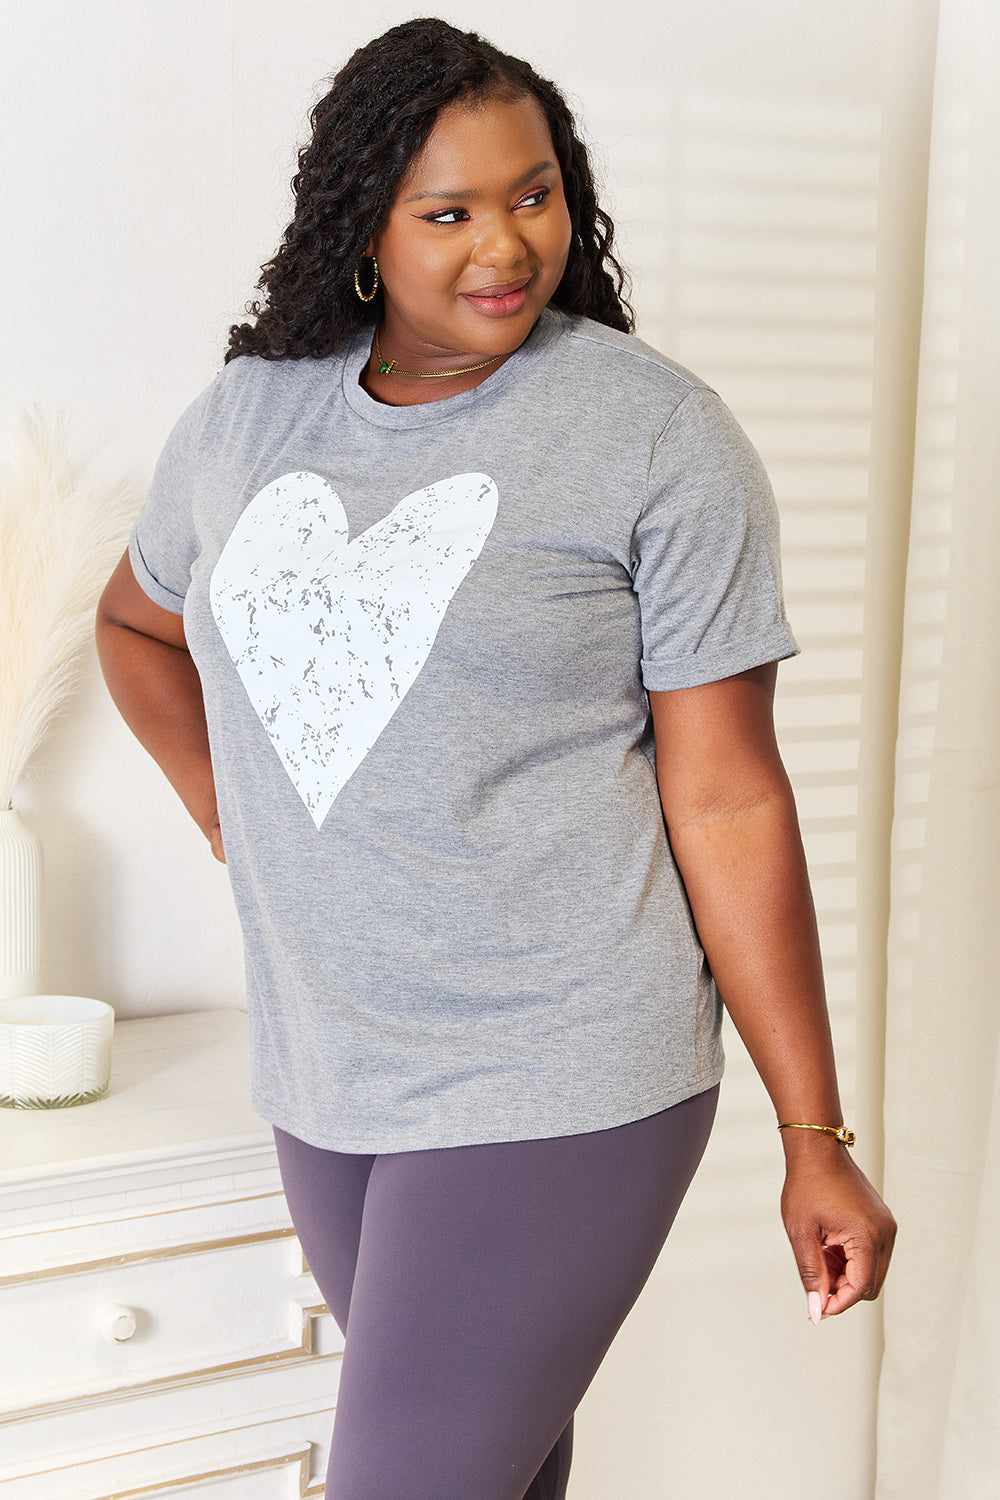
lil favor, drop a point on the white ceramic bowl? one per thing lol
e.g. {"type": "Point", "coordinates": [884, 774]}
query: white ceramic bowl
{"type": "Point", "coordinates": [55, 1050]}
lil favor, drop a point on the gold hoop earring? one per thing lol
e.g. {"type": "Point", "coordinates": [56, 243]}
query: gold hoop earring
{"type": "Point", "coordinates": [357, 283]}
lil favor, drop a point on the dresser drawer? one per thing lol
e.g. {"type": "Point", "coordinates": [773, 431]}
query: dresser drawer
{"type": "Point", "coordinates": [281, 1458]}
{"type": "Point", "coordinates": [182, 1313]}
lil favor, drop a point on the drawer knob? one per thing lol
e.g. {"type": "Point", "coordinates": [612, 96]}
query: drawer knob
{"type": "Point", "coordinates": [117, 1324]}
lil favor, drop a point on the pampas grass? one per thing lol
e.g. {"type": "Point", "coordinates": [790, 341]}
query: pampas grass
{"type": "Point", "coordinates": [61, 532]}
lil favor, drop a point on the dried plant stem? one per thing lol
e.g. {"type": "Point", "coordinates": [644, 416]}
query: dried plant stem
{"type": "Point", "coordinates": [61, 532]}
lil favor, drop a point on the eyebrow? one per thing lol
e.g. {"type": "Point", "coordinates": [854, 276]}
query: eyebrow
{"type": "Point", "coordinates": [471, 193]}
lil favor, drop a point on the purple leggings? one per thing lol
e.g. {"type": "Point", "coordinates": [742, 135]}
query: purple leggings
{"type": "Point", "coordinates": [478, 1288]}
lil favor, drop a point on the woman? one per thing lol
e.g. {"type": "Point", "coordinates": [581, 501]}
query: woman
{"type": "Point", "coordinates": [481, 617]}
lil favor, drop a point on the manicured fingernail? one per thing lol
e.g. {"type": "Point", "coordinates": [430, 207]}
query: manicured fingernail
{"type": "Point", "coordinates": [815, 1307]}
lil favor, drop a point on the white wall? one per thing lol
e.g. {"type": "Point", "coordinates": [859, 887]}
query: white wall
{"type": "Point", "coordinates": [762, 162]}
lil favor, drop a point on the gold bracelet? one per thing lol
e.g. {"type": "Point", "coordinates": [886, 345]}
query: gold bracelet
{"type": "Point", "coordinates": [839, 1132]}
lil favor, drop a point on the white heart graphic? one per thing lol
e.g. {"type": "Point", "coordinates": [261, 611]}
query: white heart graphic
{"type": "Point", "coordinates": [328, 635]}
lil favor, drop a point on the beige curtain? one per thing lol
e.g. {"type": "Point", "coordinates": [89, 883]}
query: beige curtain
{"type": "Point", "coordinates": [939, 1406]}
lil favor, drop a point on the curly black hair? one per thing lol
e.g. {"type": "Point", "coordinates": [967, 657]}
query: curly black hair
{"type": "Point", "coordinates": [366, 131]}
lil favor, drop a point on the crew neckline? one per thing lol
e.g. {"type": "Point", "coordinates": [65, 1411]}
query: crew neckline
{"type": "Point", "coordinates": [427, 413]}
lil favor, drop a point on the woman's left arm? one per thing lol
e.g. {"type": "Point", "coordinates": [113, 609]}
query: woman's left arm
{"type": "Point", "coordinates": [733, 829]}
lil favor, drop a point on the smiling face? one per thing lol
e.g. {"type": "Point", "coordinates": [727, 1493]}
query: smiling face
{"type": "Point", "coordinates": [474, 246]}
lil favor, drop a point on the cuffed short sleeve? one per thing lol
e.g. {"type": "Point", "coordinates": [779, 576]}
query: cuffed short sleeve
{"type": "Point", "coordinates": [164, 543]}
{"type": "Point", "coordinates": [705, 559]}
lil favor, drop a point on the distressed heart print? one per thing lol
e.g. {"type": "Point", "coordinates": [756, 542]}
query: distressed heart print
{"type": "Point", "coordinates": [329, 635]}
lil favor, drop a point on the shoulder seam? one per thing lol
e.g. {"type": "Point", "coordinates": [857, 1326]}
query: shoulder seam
{"type": "Point", "coordinates": [693, 385]}
{"type": "Point", "coordinates": [692, 389]}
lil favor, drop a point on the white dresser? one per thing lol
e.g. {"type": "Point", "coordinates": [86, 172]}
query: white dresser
{"type": "Point", "coordinates": [159, 1331]}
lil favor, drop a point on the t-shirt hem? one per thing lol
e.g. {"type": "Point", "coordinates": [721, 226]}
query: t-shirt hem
{"type": "Point", "coordinates": [381, 1140]}
{"type": "Point", "coordinates": [696, 671]}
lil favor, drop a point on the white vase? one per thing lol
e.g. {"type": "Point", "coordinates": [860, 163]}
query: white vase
{"type": "Point", "coordinates": [20, 906]}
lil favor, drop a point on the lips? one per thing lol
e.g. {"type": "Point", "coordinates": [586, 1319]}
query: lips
{"type": "Point", "coordinates": [500, 300]}
{"type": "Point", "coordinates": [500, 289]}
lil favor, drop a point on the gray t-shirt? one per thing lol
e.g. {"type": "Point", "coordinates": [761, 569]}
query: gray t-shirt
{"type": "Point", "coordinates": [424, 635]}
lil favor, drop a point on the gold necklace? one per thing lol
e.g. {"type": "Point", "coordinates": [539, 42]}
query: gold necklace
{"type": "Point", "coordinates": [388, 367]}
